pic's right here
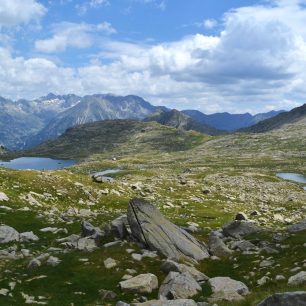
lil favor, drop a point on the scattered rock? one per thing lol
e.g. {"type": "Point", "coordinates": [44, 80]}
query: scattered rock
{"type": "Point", "coordinates": [297, 279]}
{"type": "Point", "coordinates": [179, 302]}
{"type": "Point", "coordinates": [217, 247]}
{"type": "Point", "coordinates": [107, 295]}
{"type": "Point", "coordinates": [297, 298]}
{"type": "Point", "coordinates": [301, 226]}
{"type": "Point", "coordinates": [238, 229]}
{"type": "Point", "coordinates": [142, 283]}
{"type": "Point", "coordinates": [8, 234]}
{"type": "Point", "coordinates": [178, 286]}
{"type": "Point", "coordinates": [3, 197]}
{"type": "Point", "coordinates": [110, 263]}
{"type": "Point", "coordinates": [28, 236]}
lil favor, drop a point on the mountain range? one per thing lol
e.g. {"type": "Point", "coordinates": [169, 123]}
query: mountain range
{"type": "Point", "coordinates": [27, 123]}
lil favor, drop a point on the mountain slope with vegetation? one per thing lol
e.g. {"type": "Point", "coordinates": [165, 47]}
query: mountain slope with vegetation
{"type": "Point", "coordinates": [278, 121]}
{"type": "Point", "coordinates": [181, 121]}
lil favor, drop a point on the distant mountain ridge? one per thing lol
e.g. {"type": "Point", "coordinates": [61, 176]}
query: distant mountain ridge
{"type": "Point", "coordinates": [27, 123]}
{"type": "Point", "coordinates": [229, 122]}
{"type": "Point", "coordinates": [278, 121]}
{"type": "Point", "coordinates": [181, 121]}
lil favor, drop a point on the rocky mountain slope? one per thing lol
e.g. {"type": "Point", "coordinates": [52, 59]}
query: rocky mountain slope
{"type": "Point", "coordinates": [227, 121]}
{"type": "Point", "coordinates": [181, 121]}
{"type": "Point", "coordinates": [278, 121]}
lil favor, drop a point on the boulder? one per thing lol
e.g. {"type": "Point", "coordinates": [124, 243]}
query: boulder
{"type": "Point", "coordinates": [88, 230]}
{"type": "Point", "coordinates": [299, 227]}
{"type": "Point", "coordinates": [8, 234]}
{"type": "Point", "coordinates": [28, 236]}
{"type": "Point", "coordinates": [172, 266]}
{"type": "Point", "coordinates": [118, 227]}
{"type": "Point", "coordinates": [178, 286]}
{"type": "Point", "coordinates": [98, 178]}
{"type": "Point", "coordinates": [241, 216]}
{"type": "Point", "coordinates": [3, 197]}
{"type": "Point", "coordinates": [217, 247]}
{"type": "Point", "coordinates": [297, 279]}
{"type": "Point", "coordinates": [238, 229]}
{"type": "Point", "coordinates": [297, 298]}
{"type": "Point", "coordinates": [142, 283]}
{"type": "Point", "coordinates": [225, 288]}
{"type": "Point", "coordinates": [156, 233]}
{"type": "Point", "coordinates": [180, 302]}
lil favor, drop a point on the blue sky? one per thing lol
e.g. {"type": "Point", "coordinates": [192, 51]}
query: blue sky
{"type": "Point", "coordinates": [210, 55]}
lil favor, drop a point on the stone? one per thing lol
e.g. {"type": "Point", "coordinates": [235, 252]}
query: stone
{"type": "Point", "coordinates": [179, 302]}
{"type": "Point", "coordinates": [225, 288]}
{"type": "Point", "coordinates": [107, 295]}
{"type": "Point", "coordinates": [297, 279]}
{"type": "Point", "coordinates": [142, 283]}
{"type": "Point", "coordinates": [34, 263]}
{"type": "Point", "coordinates": [178, 286]}
{"type": "Point", "coordinates": [299, 227]}
{"type": "Point", "coordinates": [217, 247]}
{"type": "Point", "coordinates": [297, 298]}
{"type": "Point", "coordinates": [28, 236]}
{"type": "Point", "coordinates": [172, 266]}
{"type": "Point", "coordinates": [110, 263]}
{"type": "Point", "coordinates": [53, 261]}
{"type": "Point", "coordinates": [98, 178]}
{"type": "Point", "coordinates": [88, 230]}
{"type": "Point", "coordinates": [85, 244]}
{"type": "Point", "coordinates": [120, 303]}
{"type": "Point", "coordinates": [8, 234]}
{"type": "Point", "coordinates": [3, 197]}
{"type": "Point", "coordinates": [241, 216]}
{"type": "Point", "coordinates": [4, 291]}
{"type": "Point", "coordinates": [238, 229]}
{"type": "Point", "coordinates": [119, 227]}
{"type": "Point", "coordinates": [156, 233]}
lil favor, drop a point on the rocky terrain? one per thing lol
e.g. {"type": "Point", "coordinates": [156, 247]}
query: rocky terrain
{"type": "Point", "coordinates": [206, 223]}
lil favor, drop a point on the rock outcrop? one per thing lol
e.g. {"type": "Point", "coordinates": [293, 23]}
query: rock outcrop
{"type": "Point", "coordinates": [297, 298]}
{"type": "Point", "coordinates": [155, 232]}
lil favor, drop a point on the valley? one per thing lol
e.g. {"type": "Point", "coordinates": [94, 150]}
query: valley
{"type": "Point", "coordinates": [198, 182]}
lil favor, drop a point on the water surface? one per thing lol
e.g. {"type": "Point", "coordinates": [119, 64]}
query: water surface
{"type": "Point", "coordinates": [36, 163]}
{"type": "Point", "coordinates": [295, 177]}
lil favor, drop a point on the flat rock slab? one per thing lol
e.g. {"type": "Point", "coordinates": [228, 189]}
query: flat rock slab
{"type": "Point", "coordinates": [157, 233]}
{"type": "Point", "coordinates": [297, 298]}
{"type": "Point", "coordinates": [142, 283]}
{"type": "Point", "coordinates": [8, 234]}
{"type": "Point", "coordinates": [238, 229]}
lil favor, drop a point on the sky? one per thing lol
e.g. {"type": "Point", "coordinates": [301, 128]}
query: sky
{"type": "Point", "coordinates": [212, 55]}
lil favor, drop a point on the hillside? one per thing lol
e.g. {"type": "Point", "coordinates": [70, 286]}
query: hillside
{"type": "Point", "coordinates": [278, 121]}
{"type": "Point", "coordinates": [229, 122]}
{"type": "Point", "coordinates": [94, 108]}
{"type": "Point", "coordinates": [116, 136]}
{"type": "Point", "coordinates": [181, 121]}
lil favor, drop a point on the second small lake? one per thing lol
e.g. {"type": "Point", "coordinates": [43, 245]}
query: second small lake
{"type": "Point", "coordinates": [295, 177]}
{"type": "Point", "coordinates": [36, 163]}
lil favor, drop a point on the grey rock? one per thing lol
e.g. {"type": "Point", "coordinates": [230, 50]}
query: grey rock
{"type": "Point", "coordinates": [299, 227]}
{"type": "Point", "coordinates": [3, 197]}
{"type": "Point", "coordinates": [98, 178]}
{"type": "Point", "coordinates": [53, 261]}
{"type": "Point", "coordinates": [88, 230]}
{"type": "Point", "coordinates": [120, 303]}
{"type": "Point", "coordinates": [172, 266]}
{"type": "Point", "coordinates": [142, 283]}
{"type": "Point", "coordinates": [8, 234]}
{"type": "Point", "coordinates": [297, 298]}
{"type": "Point", "coordinates": [85, 244]}
{"type": "Point", "coordinates": [297, 279]}
{"type": "Point", "coordinates": [118, 227]}
{"type": "Point", "coordinates": [238, 229]}
{"type": "Point", "coordinates": [217, 247]}
{"type": "Point", "coordinates": [241, 216]}
{"type": "Point", "coordinates": [154, 231]}
{"type": "Point", "coordinates": [178, 286]}
{"type": "Point", "coordinates": [28, 236]}
{"type": "Point", "coordinates": [225, 288]}
{"type": "Point", "coordinates": [107, 295]}
{"type": "Point", "coordinates": [110, 263]}
{"type": "Point", "coordinates": [34, 263]}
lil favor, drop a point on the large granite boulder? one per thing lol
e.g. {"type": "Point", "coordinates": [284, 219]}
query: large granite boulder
{"type": "Point", "coordinates": [297, 298]}
{"type": "Point", "coordinates": [178, 286]}
{"type": "Point", "coordinates": [8, 234]}
{"type": "Point", "coordinates": [155, 232]}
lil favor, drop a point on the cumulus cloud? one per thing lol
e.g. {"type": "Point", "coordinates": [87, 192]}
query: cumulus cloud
{"type": "Point", "coordinates": [77, 35]}
{"type": "Point", "coordinates": [257, 62]}
{"type": "Point", "coordinates": [17, 12]}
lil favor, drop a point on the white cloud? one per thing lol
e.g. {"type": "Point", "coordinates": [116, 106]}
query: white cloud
{"type": "Point", "coordinates": [77, 35]}
{"type": "Point", "coordinates": [209, 23]}
{"type": "Point", "coordinates": [15, 12]}
{"type": "Point", "coordinates": [90, 4]}
{"type": "Point", "coordinates": [257, 62]}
